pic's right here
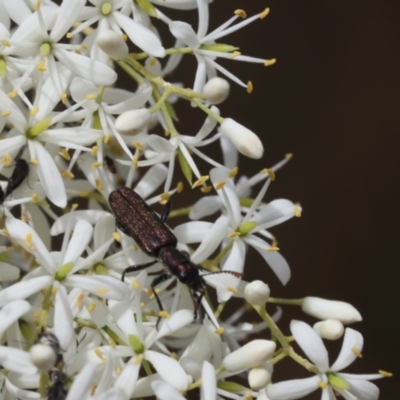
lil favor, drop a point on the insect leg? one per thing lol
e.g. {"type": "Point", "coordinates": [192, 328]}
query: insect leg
{"type": "Point", "coordinates": [159, 279]}
{"type": "Point", "coordinates": [137, 267]}
{"type": "Point", "coordinates": [166, 211]}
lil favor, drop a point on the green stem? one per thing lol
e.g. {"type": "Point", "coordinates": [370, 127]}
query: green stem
{"type": "Point", "coordinates": [287, 302]}
{"type": "Point", "coordinates": [82, 322]}
{"type": "Point", "coordinates": [113, 335]}
{"type": "Point", "coordinates": [147, 367]}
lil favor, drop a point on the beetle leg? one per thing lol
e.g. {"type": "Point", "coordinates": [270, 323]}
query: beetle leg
{"type": "Point", "coordinates": [166, 211]}
{"type": "Point", "coordinates": [137, 267]}
{"type": "Point", "coordinates": [159, 279]}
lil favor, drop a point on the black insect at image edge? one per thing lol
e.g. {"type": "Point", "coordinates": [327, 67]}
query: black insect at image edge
{"type": "Point", "coordinates": [136, 219]}
{"type": "Point", "coordinates": [20, 172]}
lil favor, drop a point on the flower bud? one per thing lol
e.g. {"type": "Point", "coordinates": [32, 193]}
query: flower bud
{"type": "Point", "coordinates": [330, 329]}
{"type": "Point", "coordinates": [216, 90]}
{"type": "Point", "coordinates": [259, 378]}
{"type": "Point", "coordinates": [112, 44]}
{"type": "Point", "coordinates": [331, 309]}
{"type": "Point", "coordinates": [256, 293]}
{"type": "Point", "coordinates": [243, 139]}
{"type": "Point", "coordinates": [251, 355]}
{"type": "Point", "coordinates": [132, 122]}
{"type": "Point", "coordinates": [42, 356]}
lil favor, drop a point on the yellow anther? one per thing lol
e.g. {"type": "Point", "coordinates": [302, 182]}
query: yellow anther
{"type": "Point", "coordinates": [165, 197]}
{"type": "Point", "coordinates": [179, 187]}
{"type": "Point", "coordinates": [38, 4]}
{"type": "Point", "coordinates": [386, 374]}
{"type": "Point", "coordinates": [288, 156]}
{"type": "Point", "coordinates": [272, 249]}
{"type": "Point", "coordinates": [90, 96]}
{"type": "Point", "coordinates": [84, 46]}
{"type": "Point", "coordinates": [94, 150]}
{"type": "Point", "coordinates": [241, 13]}
{"type": "Point", "coordinates": [91, 307]}
{"type": "Point", "coordinates": [64, 153]}
{"type": "Point", "coordinates": [233, 235]}
{"type": "Point", "coordinates": [37, 314]}
{"type": "Point", "coordinates": [64, 97]}
{"type": "Point", "coordinates": [124, 37]}
{"type": "Point", "coordinates": [167, 133]}
{"type": "Point", "coordinates": [297, 212]}
{"type": "Point", "coordinates": [99, 354]}
{"type": "Point", "coordinates": [41, 67]}
{"type": "Point", "coordinates": [135, 162]}
{"type": "Point", "coordinates": [233, 172]}
{"type": "Point", "coordinates": [6, 43]}
{"type": "Point", "coordinates": [34, 111]}
{"type": "Point", "coordinates": [164, 314]}
{"type": "Point", "coordinates": [323, 385]}
{"type": "Point", "coordinates": [93, 389]}
{"type": "Point", "coordinates": [135, 284]}
{"type": "Point", "coordinates": [96, 164]}
{"type": "Point", "coordinates": [69, 35]}
{"type": "Point", "coordinates": [99, 184]}
{"type": "Point", "coordinates": [35, 197]}
{"type": "Point", "coordinates": [200, 181]}
{"type": "Point", "coordinates": [74, 206]}
{"type": "Point", "coordinates": [107, 138]}
{"type": "Point", "coordinates": [117, 237]}
{"type": "Point", "coordinates": [138, 146]}
{"type": "Point", "coordinates": [139, 359]}
{"type": "Point", "coordinates": [206, 189]}
{"type": "Point", "coordinates": [6, 113]}
{"type": "Point", "coordinates": [220, 185]}
{"type": "Point", "coordinates": [84, 193]}
{"type": "Point", "coordinates": [231, 289]}
{"type": "Point", "coordinates": [6, 160]}
{"type": "Point", "coordinates": [250, 87]}
{"type": "Point", "coordinates": [142, 304]}
{"type": "Point", "coordinates": [267, 63]}
{"type": "Point", "coordinates": [264, 13]}
{"type": "Point", "coordinates": [12, 94]}
{"type": "Point", "coordinates": [112, 343]}
{"type": "Point", "coordinates": [117, 370]}
{"type": "Point", "coordinates": [235, 54]}
{"type": "Point", "coordinates": [29, 242]}
{"type": "Point", "coordinates": [33, 161]}
{"type": "Point", "coordinates": [67, 174]}
{"type": "Point", "coordinates": [357, 352]}
{"type": "Point", "coordinates": [219, 331]}
{"type": "Point", "coordinates": [102, 291]}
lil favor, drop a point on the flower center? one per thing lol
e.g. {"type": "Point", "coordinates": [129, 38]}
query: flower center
{"type": "Point", "coordinates": [106, 8]}
{"type": "Point", "coordinates": [45, 49]}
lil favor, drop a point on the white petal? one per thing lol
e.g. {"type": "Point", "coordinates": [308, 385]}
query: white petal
{"type": "Point", "coordinates": [123, 316]}
{"type": "Point", "coordinates": [50, 176]}
{"type": "Point", "coordinates": [19, 393]}
{"type": "Point", "coordinates": [63, 320]}
{"type": "Point", "coordinates": [178, 320]}
{"type": "Point", "coordinates": [192, 232]}
{"type": "Point", "coordinates": [15, 117]}
{"type": "Point", "coordinates": [92, 216]}
{"type": "Point", "coordinates": [11, 312]}
{"type": "Point", "coordinates": [68, 13]}
{"type": "Point", "coordinates": [206, 206]}
{"type": "Point", "coordinates": [169, 369]}
{"type": "Point", "coordinates": [275, 212]}
{"type": "Point", "coordinates": [78, 242]}
{"type": "Point", "coordinates": [11, 146]}
{"type": "Point", "coordinates": [185, 33]}
{"type": "Point", "coordinates": [165, 391]}
{"type": "Point", "coordinates": [293, 389]}
{"type": "Point", "coordinates": [352, 340]}
{"type": "Point", "coordinates": [362, 389]}
{"type": "Point", "coordinates": [311, 344]}
{"type": "Point", "coordinates": [82, 383]}
{"type": "Point", "coordinates": [103, 231]}
{"type": "Point", "coordinates": [128, 378]}
{"type": "Point", "coordinates": [209, 382]}
{"type": "Point", "coordinates": [105, 287]}
{"type": "Point", "coordinates": [141, 36]}
{"type": "Point", "coordinates": [151, 180]}
{"type": "Point", "coordinates": [71, 137]}
{"type": "Point", "coordinates": [9, 272]}
{"type": "Point", "coordinates": [160, 144]}
{"type": "Point", "coordinates": [17, 10]}
{"type": "Point", "coordinates": [16, 360]}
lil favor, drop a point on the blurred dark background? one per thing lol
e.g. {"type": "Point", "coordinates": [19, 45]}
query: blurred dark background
{"type": "Point", "coordinates": [333, 100]}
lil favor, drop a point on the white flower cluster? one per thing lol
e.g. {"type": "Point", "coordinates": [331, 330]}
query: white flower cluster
{"type": "Point", "coordinates": [72, 325]}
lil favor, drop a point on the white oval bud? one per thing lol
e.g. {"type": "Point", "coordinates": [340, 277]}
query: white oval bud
{"type": "Point", "coordinates": [259, 378]}
{"type": "Point", "coordinates": [246, 141]}
{"type": "Point", "coordinates": [132, 122]}
{"type": "Point", "coordinates": [331, 309]}
{"type": "Point", "coordinates": [216, 90]}
{"type": "Point", "coordinates": [112, 44]}
{"type": "Point", "coordinates": [330, 329]}
{"type": "Point", "coordinates": [42, 356]}
{"type": "Point", "coordinates": [251, 355]}
{"type": "Point", "coordinates": [257, 293]}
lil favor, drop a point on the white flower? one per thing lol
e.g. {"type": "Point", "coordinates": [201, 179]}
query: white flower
{"type": "Point", "coordinates": [112, 44]}
{"type": "Point", "coordinates": [330, 329]}
{"type": "Point", "coordinates": [257, 292]}
{"type": "Point", "coordinates": [216, 90]}
{"type": "Point", "coordinates": [329, 379]}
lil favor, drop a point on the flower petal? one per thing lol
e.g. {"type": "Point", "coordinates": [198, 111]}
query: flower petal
{"type": "Point", "coordinates": [164, 391]}
{"type": "Point", "coordinates": [80, 239]}
{"type": "Point", "coordinates": [293, 389]}
{"type": "Point", "coordinates": [11, 312]}
{"type": "Point", "coordinates": [353, 340]}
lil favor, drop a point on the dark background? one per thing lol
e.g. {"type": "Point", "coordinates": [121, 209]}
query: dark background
{"type": "Point", "coordinates": [333, 100]}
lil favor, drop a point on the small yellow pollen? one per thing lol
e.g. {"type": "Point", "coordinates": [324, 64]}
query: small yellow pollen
{"type": "Point", "coordinates": [264, 13]}
{"type": "Point", "coordinates": [64, 97]}
{"type": "Point", "coordinates": [6, 160]}
{"type": "Point", "coordinates": [165, 197]}
{"type": "Point", "coordinates": [6, 113]}
{"type": "Point", "coordinates": [233, 172]}
{"type": "Point", "coordinates": [107, 138]}
{"type": "Point", "coordinates": [29, 242]}
{"type": "Point", "coordinates": [167, 133]}
{"type": "Point", "coordinates": [267, 63]}
{"type": "Point", "coordinates": [124, 37]}
{"type": "Point", "coordinates": [270, 172]}
{"type": "Point", "coordinates": [84, 46]}
{"type": "Point", "coordinates": [37, 314]}
{"type": "Point", "coordinates": [35, 197]}
{"type": "Point", "coordinates": [135, 284]}
{"type": "Point", "coordinates": [79, 300]}
{"type": "Point", "coordinates": [231, 289]}
{"type": "Point", "coordinates": [174, 355]}
{"type": "Point", "coordinates": [117, 237]}
{"type": "Point", "coordinates": [357, 352]}
{"type": "Point", "coordinates": [34, 111]}
{"type": "Point", "coordinates": [118, 370]}
{"type": "Point", "coordinates": [75, 206]}
{"type": "Point", "coordinates": [220, 185]}
{"type": "Point", "coordinates": [99, 354]}
{"type": "Point", "coordinates": [220, 330]}
{"type": "Point", "coordinates": [138, 146]}
{"type": "Point", "coordinates": [12, 94]}
{"type": "Point", "coordinates": [64, 153]}
{"type": "Point", "coordinates": [142, 304]}
{"type": "Point", "coordinates": [93, 151]}
{"type": "Point", "coordinates": [386, 374]}
{"type": "Point", "coordinates": [138, 359]}
{"type": "Point", "coordinates": [99, 184]}
{"type": "Point", "coordinates": [97, 164]}
{"type": "Point", "coordinates": [206, 189]}
{"type": "Point", "coordinates": [93, 389]}
{"type": "Point", "coordinates": [67, 174]}
{"type": "Point", "coordinates": [297, 212]}
{"type": "Point", "coordinates": [164, 314]}
{"type": "Point", "coordinates": [33, 161]}
{"type": "Point", "coordinates": [323, 385]}
{"type": "Point", "coordinates": [248, 395]}
{"type": "Point", "coordinates": [234, 234]}
{"type": "Point", "coordinates": [41, 67]}
{"type": "Point", "coordinates": [76, 51]}
{"type": "Point", "coordinates": [241, 13]}
{"type": "Point", "coordinates": [235, 54]}
{"type": "Point", "coordinates": [200, 181]}
{"type": "Point", "coordinates": [151, 294]}
{"type": "Point", "coordinates": [135, 162]}
{"type": "Point", "coordinates": [102, 291]}
{"type": "Point", "coordinates": [250, 87]}
{"type": "Point", "coordinates": [272, 249]}
{"type": "Point", "coordinates": [84, 193]}
{"type": "Point", "coordinates": [38, 4]}
{"type": "Point", "coordinates": [6, 43]}
{"type": "Point", "coordinates": [90, 96]}
{"type": "Point", "coordinates": [5, 232]}
{"type": "Point", "coordinates": [288, 156]}
{"type": "Point", "coordinates": [179, 187]}
{"type": "Point", "coordinates": [91, 307]}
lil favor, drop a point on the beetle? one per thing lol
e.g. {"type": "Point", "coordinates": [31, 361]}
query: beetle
{"type": "Point", "coordinates": [136, 219]}
{"type": "Point", "coordinates": [20, 172]}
